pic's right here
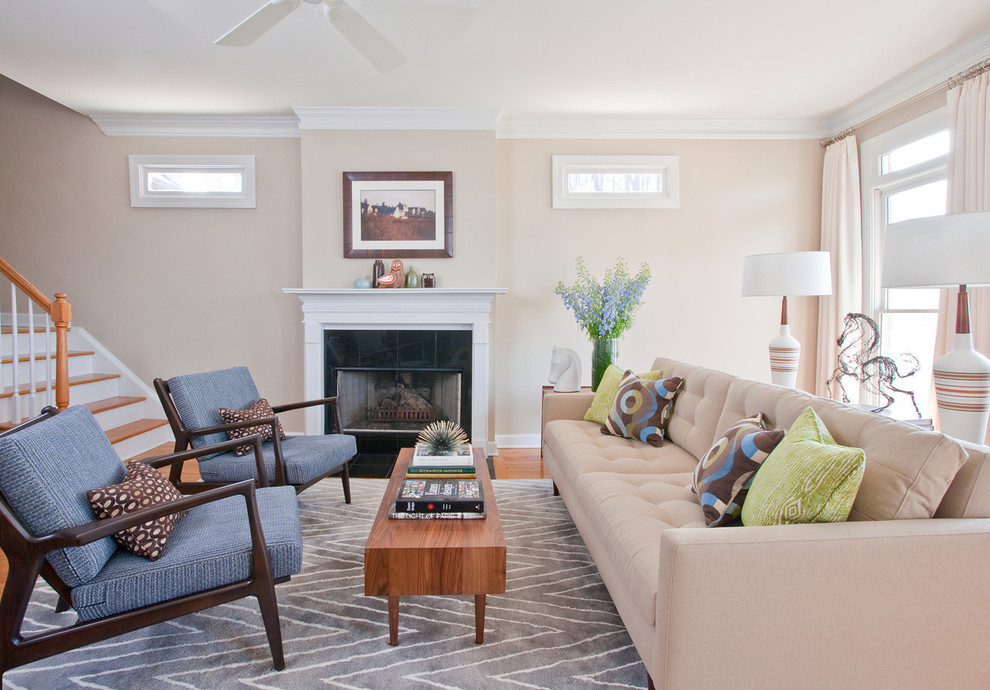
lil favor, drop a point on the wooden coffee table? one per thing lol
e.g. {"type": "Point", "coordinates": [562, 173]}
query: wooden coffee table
{"type": "Point", "coordinates": [438, 556]}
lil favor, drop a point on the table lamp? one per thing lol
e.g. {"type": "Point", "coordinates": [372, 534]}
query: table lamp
{"type": "Point", "coordinates": [946, 251]}
{"type": "Point", "coordinates": [794, 274]}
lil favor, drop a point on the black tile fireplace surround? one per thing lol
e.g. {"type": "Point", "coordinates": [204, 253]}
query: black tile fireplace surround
{"type": "Point", "coordinates": [395, 365]}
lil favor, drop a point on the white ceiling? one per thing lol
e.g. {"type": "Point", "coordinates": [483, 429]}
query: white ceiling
{"type": "Point", "coordinates": [777, 59]}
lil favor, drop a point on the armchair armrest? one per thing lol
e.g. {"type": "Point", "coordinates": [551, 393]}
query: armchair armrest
{"type": "Point", "coordinates": [331, 401]}
{"type": "Point", "coordinates": [899, 603]}
{"type": "Point", "coordinates": [306, 403]}
{"type": "Point", "coordinates": [223, 446]}
{"type": "Point", "coordinates": [86, 533]}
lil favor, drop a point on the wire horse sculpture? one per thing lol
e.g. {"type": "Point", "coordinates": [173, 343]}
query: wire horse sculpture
{"type": "Point", "coordinates": [859, 358]}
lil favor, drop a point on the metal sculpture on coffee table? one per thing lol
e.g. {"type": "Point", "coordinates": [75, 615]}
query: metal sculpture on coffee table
{"type": "Point", "coordinates": [859, 357]}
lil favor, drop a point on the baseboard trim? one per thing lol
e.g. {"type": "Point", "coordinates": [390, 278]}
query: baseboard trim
{"type": "Point", "coordinates": [517, 440]}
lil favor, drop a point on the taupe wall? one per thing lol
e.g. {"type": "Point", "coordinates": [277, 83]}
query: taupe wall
{"type": "Point", "coordinates": [737, 198]}
{"type": "Point", "coordinates": [177, 290]}
{"type": "Point", "coordinates": [168, 291]}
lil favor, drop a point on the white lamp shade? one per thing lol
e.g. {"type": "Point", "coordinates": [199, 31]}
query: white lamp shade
{"type": "Point", "coordinates": [940, 251]}
{"type": "Point", "coordinates": [790, 274]}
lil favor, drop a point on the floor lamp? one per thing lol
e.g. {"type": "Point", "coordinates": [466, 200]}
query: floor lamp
{"type": "Point", "coordinates": [948, 251]}
{"type": "Point", "coordinates": [794, 274]}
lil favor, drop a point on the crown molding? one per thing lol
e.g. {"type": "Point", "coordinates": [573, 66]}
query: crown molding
{"type": "Point", "coordinates": [396, 118]}
{"type": "Point", "coordinates": [657, 127]}
{"type": "Point", "coordinates": [216, 126]}
{"type": "Point", "coordinates": [926, 78]}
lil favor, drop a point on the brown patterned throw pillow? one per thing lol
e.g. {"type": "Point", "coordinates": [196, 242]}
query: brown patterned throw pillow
{"type": "Point", "coordinates": [143, 487]}
{"type": "Point", "coordinates": [259, 410]}
{"type": "Point", "coordinates": [725, 473]}
{"type": "Point", "coordinates": [641, 409]}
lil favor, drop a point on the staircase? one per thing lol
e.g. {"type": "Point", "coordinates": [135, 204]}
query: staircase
{"type": "Point", "coordinates": [127, 409]}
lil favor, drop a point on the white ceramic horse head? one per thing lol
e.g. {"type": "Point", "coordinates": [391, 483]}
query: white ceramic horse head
{"type": "Point", "coordinates": [565, 370]}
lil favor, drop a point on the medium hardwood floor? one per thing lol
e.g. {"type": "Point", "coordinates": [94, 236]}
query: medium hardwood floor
{"type": "Point", "coordinates": [510, 463]}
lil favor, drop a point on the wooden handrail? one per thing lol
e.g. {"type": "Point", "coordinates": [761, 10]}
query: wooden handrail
{"type": "Point", "coordinates": [22, 283]}
{"type": "Point", "coordinates": [60, 312]}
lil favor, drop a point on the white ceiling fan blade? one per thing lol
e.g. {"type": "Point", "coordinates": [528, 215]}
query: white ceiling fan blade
{"type": "Point", "coordinates": [248, 31]}
{"type": "Point", "coordinates": [369, 42]}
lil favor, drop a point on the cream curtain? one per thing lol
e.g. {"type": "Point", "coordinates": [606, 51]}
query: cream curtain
{"type": "Point", "coordinates": [842, 236]}
{"type": "Point", "coordinates": [968, 190]}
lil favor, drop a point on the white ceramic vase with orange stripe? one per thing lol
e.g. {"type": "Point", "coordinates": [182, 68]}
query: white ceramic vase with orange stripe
{"type": "Point", "coordinates": [785, 353]}
{"type": "Point", "coordinates": [962, 388]}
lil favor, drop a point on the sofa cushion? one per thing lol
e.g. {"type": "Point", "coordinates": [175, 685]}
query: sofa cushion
{"type": "Point", "coordinates": [143, 487]}
{"type": "Point", "coordinates": [724, 475]}
{"type": "Point", "coordinates": [907, 469]}
{"type": "Point", "coordinates": [642, 408]}
{"type": "Point", "coordinates": [630, 512]}
{"type": "Point", "coordinates": [807, 478]}
{"type": "Point", "coordinates": [601, 404]}
{"type": "Point", "coordinates": [696, 412]}
{"type": "Point", "coordinates": [575, 447]}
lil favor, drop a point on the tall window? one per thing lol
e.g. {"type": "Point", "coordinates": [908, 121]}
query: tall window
{"type": "Point", "coordinates": [904, 177]}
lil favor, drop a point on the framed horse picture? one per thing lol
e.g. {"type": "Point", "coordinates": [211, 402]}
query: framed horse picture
{"type": "Point", "coordinates": [398, 214]}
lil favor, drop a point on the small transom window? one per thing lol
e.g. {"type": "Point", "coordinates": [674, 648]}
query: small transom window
{"type": "Point", "coordinates": [197, 181]}
{"type": "Point", "coordinates": [615, 182]}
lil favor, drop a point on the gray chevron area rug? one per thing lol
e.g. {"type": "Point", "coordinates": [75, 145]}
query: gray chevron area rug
{"type": "Point", "coordinates": [555, 627]}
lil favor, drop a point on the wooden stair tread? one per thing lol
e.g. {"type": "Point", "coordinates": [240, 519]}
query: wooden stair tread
{"type": "Point", "coordinates": [41, 357]}
{"type": "Point", "coordinates": [113, 403]}
{"type": "Point", "coordinates": [132, 429]}
{"type": "Point", "coordinates": [73, 381]}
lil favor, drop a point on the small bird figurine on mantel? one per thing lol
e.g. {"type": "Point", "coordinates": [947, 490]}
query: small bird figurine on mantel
{"type": "Point", "coordinates": [395, 279]}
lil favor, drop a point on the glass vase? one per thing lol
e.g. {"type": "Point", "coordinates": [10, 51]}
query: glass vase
{"type": "Point", "coordinates": [604, 352]}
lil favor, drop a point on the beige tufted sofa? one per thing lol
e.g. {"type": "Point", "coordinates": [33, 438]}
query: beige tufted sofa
{"type": "Point", "coordinates": [890, 599]}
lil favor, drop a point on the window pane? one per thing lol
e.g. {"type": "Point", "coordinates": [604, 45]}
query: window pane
{"type": "Point", "coordinates": [914, 334]}
{"type": "Point", "coordinates": [920, 298]}
{"type": "Point", "coordinates": [916, 152]}
{"type": "Point", "coordinates": [195, 182]}
{"type": "Point", "coordinates": [917, 202]}
{"type": "Point", "coordinates": [615, 183]}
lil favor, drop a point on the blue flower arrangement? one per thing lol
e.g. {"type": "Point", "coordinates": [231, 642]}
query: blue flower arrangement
{"type": "Point", "coordinates": [605, 310]}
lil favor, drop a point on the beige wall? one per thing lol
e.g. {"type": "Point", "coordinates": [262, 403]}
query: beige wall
{"type": "Point", "coordinates": [737, 198]}
{"type": "Point", "coordinates": [168, 291]}
{"type": "Point", "coordinates": [326, 155]}
{"type": "Point", "coordinates": [173, 291]}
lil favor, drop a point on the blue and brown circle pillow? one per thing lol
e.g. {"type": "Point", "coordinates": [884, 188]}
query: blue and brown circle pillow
{"type": "Point", "coordinates": [641, 408]}
{"type": "Point", "coordinates": [726, 472]}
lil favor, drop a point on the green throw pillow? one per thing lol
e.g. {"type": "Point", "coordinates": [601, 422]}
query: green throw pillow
{"type": "Point", "coordinates": [607, 388]}
{"type": "Point", "coordinates": [807, 478]}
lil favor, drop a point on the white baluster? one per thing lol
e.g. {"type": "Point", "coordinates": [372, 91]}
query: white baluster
{"type": "Point", "coordinates": [15, 354]}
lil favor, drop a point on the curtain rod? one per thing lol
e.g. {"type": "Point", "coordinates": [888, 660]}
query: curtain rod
{"type": "Point", "coordinates": [950, 83]}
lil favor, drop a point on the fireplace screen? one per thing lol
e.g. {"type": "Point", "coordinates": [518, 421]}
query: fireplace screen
{"type": "Point", "coordinates": [397, 400]}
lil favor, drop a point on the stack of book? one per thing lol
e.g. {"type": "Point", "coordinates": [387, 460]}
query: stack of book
{"type": "Point", "coordinates": [440, 487]}
{"type": "Point", "coordinates": [426, 466]}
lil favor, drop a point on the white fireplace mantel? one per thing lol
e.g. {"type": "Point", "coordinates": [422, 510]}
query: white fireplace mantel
{"type": "Point", "coordinates": [403, 309]}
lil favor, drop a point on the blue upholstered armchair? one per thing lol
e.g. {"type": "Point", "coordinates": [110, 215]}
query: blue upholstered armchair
{"type": "Point", "coordinates": [192, 404]}
{"type": "Point", "coordinates": [47, 527]}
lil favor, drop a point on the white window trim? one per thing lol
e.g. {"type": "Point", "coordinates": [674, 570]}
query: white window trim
{"type": "Point", "coordinates": [873, 185]}
{"type": "Point", "coordinates": [141, 196]}
{"type": "Point", "coordinates": [667, 166]}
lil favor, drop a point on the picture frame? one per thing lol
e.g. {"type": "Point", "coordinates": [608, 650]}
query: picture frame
{"type": "Point", "coordinates": [398, 215]}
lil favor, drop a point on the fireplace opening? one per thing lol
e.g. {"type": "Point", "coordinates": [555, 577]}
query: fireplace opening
{"type": "Point", "coordinates": [390, 384]}
{"type": "Point", "coordinates": [397, 400]}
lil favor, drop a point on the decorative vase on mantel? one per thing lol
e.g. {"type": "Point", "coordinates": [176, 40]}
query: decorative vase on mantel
{"type": "Point", "coordinates": [604, 351]}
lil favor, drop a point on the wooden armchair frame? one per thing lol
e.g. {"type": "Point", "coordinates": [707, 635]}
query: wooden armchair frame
{"type": "Point", "coordinates": [26, 557]}
{"type": "Point", "coordinates": [184, 436]}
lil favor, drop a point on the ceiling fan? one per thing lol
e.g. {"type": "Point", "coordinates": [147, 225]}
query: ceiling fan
{"type": "Point", "coordinates": [378, 50]}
